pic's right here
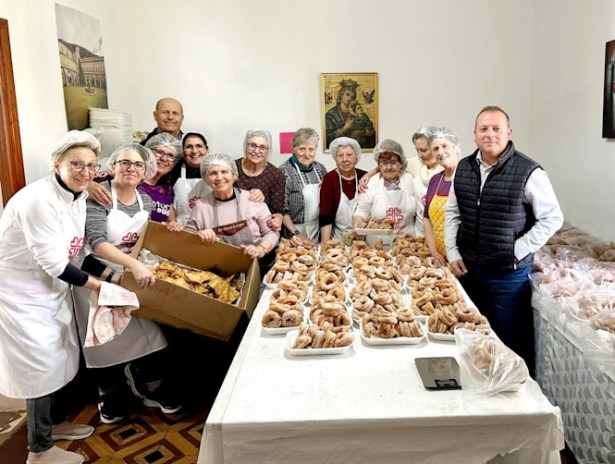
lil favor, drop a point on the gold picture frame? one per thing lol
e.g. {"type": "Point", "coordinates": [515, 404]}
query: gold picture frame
{"type": "Point", "coordinates": [349, 108]}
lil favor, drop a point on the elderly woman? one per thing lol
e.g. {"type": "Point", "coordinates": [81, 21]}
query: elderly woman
{"type": "Point", "coordinates": [41, 235]}
{"type": "Point", "coordinates": [338, 194]}
{"type": "Point", "coordinates": [303, 179]}
{"type": "Point", "coordinates": [188, 186]}
{"type": "Point", "coordinates": [111, 233]}
{"type": "Point", "coordinates": [447, 151]}
{"type": "Point", "coordinates": [228, 215]}
{"type": "Point", "coordinates": [255, 172]}
{"type": "Point", "coordinates": [390, 193]}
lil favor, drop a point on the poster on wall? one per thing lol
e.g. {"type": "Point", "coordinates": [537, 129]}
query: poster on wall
{"type": "Point", "coordinates": [350, 108]}
{"type": "Point", "coordinates": [82, 65]}
{"type": "Point", "coordinates": [608, 113]}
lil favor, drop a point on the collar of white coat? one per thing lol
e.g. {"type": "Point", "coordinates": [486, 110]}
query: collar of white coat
{"type": "Point", "coordinates": [67, 196]}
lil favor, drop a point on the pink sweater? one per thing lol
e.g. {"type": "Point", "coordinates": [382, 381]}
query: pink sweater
{"type": "Point", "coordinates": [257, 215]}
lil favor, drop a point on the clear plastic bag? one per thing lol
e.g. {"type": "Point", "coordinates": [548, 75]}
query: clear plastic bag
{"type": "Point", "coordinates": [491, 366]}
{"type": "Point", "coordinates": [599, 352]}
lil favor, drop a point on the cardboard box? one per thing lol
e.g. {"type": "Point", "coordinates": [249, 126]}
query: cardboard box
{"type": "Point", "coordinates": [173, 305]}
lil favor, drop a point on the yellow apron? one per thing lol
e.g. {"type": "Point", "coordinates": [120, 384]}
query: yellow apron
{"type": "Point", "coordinates": [437, 208]}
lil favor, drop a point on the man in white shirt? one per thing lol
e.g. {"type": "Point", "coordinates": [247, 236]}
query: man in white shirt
{"type": "Point", "coordinates": [501, 209]}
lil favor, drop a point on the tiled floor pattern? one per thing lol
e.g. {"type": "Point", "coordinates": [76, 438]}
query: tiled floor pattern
{"type": "Point", "coordinates": [146, 438]}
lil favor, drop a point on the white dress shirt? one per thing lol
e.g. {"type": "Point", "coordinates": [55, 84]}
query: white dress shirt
{"type": "Point", "coordinates": [538, 193]}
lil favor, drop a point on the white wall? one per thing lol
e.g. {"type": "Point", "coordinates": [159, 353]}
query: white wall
{"type": "Point", "coordinates": [566, 108]}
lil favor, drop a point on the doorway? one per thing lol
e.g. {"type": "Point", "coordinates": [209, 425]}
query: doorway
{"type": "Point", "coordinates": [12, 176]}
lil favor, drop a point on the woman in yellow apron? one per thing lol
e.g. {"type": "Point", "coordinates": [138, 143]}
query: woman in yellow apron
{"type": "Point", "coordinates": [445, 147]}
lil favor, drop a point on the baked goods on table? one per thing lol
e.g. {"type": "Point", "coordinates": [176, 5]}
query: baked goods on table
{"type": "Point", "coordinates": [327, 336]}
{"type": "Point", "coordinates": [373, 223]}
{"type": "Point", "coordinates": [225, 289]}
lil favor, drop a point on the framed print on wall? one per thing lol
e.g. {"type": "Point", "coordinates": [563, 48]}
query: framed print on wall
{"type": "Point", "coordinates": [349, 108]}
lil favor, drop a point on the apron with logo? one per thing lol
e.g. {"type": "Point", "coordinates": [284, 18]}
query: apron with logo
{"type": "Point", "coordinates": [437, 208]}
{"type": "Point", "coordinates": [236, 233]}
{"type": "Point", "coordinates": [397, 205]}
{"type": "Point", "coordinates": [342, 227]}
{"type": "Point", "coordinates": [187, 193]}
{"type": "Point", "coordinates": [311, 201]}
{"type": "Point", "coordinates": [141, 336]}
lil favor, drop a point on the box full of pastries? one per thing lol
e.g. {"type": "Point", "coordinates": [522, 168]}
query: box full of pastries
{"type": "Point", "coordinates": [208, 296]}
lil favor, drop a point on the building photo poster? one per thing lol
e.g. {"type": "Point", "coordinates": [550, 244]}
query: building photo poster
{"type": "Point", "coordinates": [82, 64]}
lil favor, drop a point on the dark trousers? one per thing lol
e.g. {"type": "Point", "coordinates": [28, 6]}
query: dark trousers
{"type": "Point", "coordinates": [505, 298]}
{"type": "Point", "coordinates": [43, 413]}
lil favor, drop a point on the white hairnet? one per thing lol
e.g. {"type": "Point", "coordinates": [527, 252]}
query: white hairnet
{"type": "Point", "coordinates": [217, 159]}
{"type": "Point", "coordinates": [345, 142]}
{"type": "Point", "coordinates": [447, 134]}
{"type": "Point", "coordinates": [151, 168]}
{"type": "Point", "coordinates": [164, 139]}
{"type": "Point", "coordinates": [72, 139]}
{"type": "Point", "coordinates": [423, 132]}
{"type": "Point", "coordinates": [389, 146]}
{"type": "Point", "coordinates": [257, 133]}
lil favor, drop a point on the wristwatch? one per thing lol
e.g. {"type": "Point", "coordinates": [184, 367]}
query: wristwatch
{"type": "Point", "coordinates": [110, 276]}
{"type": "Point", "coordinates": [296, 232]}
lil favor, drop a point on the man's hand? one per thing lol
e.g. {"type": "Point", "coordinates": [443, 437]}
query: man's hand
{"type": "Point", "coordinates": [101, 195]}
{"type": "Point", "coordinates": [459, 268]}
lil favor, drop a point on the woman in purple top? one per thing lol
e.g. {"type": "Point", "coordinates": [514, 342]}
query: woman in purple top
{"type": "Point", "coordinates": [445, 147]}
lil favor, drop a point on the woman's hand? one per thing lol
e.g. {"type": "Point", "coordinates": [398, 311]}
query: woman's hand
{"type": "Point", "coordinates": [256, 196]}
{"type": "Point", "coordinates": [173, 226]}
{"type": "Point", "coordinates": [101, 195]}
{"type": "Point", "coordinates": [253, 251]}
{"type": "Point", "coordinates": [440, 260]}
{"type": "Point", "coordinates": [275, 223]}
{"type": "Point", "coordinates": [142, 274]}
{"type": "Point", "coordinates": [365, 180]}
{"type": "Point", "coordinates": [207, 235]}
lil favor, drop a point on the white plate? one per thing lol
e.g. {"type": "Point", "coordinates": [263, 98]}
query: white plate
{"type": "Point", "coordinates": [290, 339]}
{"type": "Point", "coordinates": [392, 341]}
{"type": "Point", "coordinates": [422, 319]}
{"type": "Point", "coordinates": [283, 330]}
{"type": "Point", "coordinates": [444, 337]}
{"type": "Point", "coordinates": [374, 231]}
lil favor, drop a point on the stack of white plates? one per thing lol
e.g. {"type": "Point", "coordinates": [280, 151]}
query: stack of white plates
{"type": "Point", "coordinates": [110, 119]}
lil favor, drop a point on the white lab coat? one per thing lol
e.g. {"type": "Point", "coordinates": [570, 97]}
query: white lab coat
{"type": "Point", "coordinates": [41, 230]}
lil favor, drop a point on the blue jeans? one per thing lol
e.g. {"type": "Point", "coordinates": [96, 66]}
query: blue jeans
{"type": "Point", "coordinates": [505, 298]}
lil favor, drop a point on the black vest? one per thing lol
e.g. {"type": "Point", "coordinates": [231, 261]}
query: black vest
{"type": "Point", "coordinates": [491, 221]}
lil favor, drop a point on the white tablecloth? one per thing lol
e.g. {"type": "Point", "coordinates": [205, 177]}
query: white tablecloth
{"type": "Point", "coordinates": [367, 405]}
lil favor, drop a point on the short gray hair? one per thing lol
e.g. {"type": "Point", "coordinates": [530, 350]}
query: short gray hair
{"type": "Point", "coordinates": [217, 159]}
{"type": "Point", "coordinates": [345, 142]}
{"type": "Point", "coordinates": [151, 168]}
{"type": "Point", "coordinates": [73, 139]}
{"type": "Point", "coordinates": [164, 139]}
{"type": "Point", "coordinates": [447, 134]}
{"type": "Point", "coordinates": [257, 133]}
{"type": "Point", "coordinates": [303, 135]}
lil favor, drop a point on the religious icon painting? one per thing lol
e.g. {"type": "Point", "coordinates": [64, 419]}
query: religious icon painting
{"type": "Point", "coordinates": [350, 108]}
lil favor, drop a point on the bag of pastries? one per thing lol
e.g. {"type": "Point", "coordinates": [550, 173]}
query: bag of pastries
{"type": "Point", "coordinates": [491, 366]}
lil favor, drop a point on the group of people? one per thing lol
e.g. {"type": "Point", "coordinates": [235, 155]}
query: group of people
{"type": "Point", "coordinates": [484, 216]}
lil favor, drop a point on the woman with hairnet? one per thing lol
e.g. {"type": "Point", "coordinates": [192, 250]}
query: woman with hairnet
{"type": "Point", "coordinates": [390, 193]}
{"type": "Point", "coordinates": [159, 187]}
{"type": "Point", "coordinates": [256, 172]}
{"type": "Point", "coordinates": [338, 194]}
{"type": "Point", "coordinates": [41, 235]}
{"type": "Point", "coordinates": [447, 151]}
{"type": "Point", "coordinates": [227, 215]}
{"type": "Point", "coordinates": [304, 177]}
{"type": "Point", "coordinates": [111, 233]}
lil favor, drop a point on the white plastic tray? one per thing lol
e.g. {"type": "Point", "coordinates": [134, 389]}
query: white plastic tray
{"type": "Point", "coordinates": [375, 341]}
{"type": "Point", "coordinates": [374, 231]}
{"type": "Point", "coordinates": [290, 339]}
{"type": "Point", "coordinates": [442, 337]}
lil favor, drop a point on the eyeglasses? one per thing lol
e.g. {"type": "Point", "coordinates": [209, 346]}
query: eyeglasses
{"type": "Point", "coordinates": [261, 148]}
{"type": "Point", "coordinates": [78, 166]}
{"type": "Point", "coordinates": [198, 147]}
{"type": "Point", "coordinates": [126, 165]}
{"type": "Point", "coordinates": [390, 164]}
{"type": "Point", "coordinates": [163, 155]}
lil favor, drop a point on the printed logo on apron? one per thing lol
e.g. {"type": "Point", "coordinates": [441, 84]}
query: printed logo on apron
{"type": "Point", "coordinates": [129, 240]}
{"type": "Point", "coordinates": [235, 233]}
{"type": "Point", "coordinates": [395, 214]}
{"type": "Point", "coordinates": [230, 229]}
{"type": "Point", "coordinates": [75, 246]}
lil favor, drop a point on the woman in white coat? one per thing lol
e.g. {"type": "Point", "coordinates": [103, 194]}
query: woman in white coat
{"type": "Point", "coordinates": [390, 193]}
{"type": "Point", "coordinates": [111, 233]}
{"type": "Point", "coordinates": [41, 235]}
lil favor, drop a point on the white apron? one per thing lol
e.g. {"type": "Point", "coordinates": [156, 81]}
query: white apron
{"type": "Point", "coordinates": [343, 218]}
{"type": "Point", "coordinates": [420, 193]}
{"type": "Point", "coordinates": [141, 336]}
{"type": "Point", "coordinates": [39, 351]}
{"type": "Point", "coordinates": [398, 205]}
{"type": "Point", "coordinates": [311, 200]}
{"type": "Point", "coordinates": [187, 192]}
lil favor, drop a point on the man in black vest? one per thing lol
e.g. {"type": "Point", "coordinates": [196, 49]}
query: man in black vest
{"type": "Point", "coordinates": [501, 209]}
{"type": "Point", "coordinates": [169, 115]}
